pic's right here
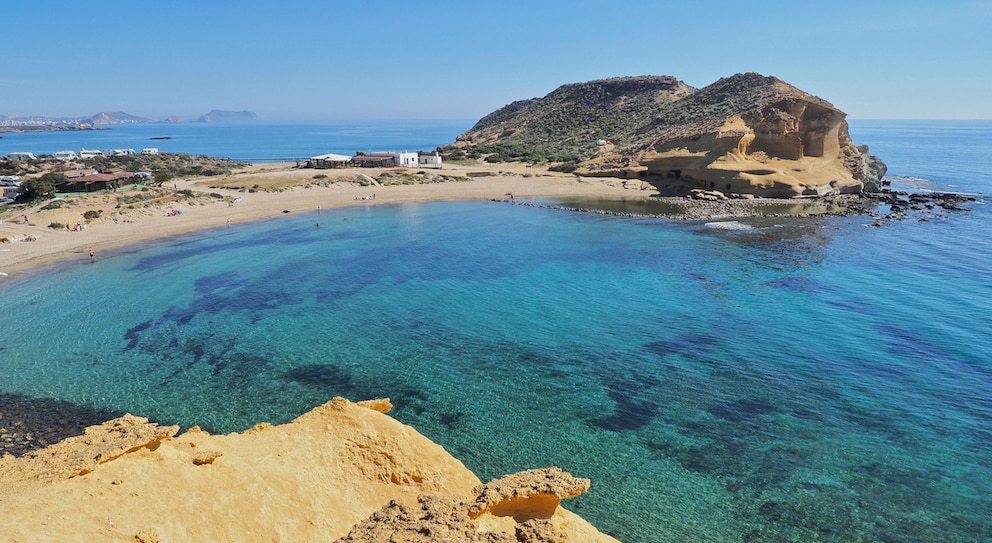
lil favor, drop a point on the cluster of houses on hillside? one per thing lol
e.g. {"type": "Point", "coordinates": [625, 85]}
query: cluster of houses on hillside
{"type": "Point", "coordinates": [21, 156]}
{"type": "Point", "coordinates": [379, 159]}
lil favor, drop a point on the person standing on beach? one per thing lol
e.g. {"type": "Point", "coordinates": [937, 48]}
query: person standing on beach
{"type": "Point", "coordinates": [92, 255]}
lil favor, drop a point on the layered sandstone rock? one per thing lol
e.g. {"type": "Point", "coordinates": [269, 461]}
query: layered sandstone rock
{"type": "Point", "coordinates": [312, 479]}
{"type": "Point", "coordinates": [764, 137]}
{"type": "Point", "coordinates": [744, 134]}
{"type": "Point", "coordinates": [787, 150]}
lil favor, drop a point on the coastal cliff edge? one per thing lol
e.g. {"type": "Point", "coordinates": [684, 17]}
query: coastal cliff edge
{"type": "Point", "coordinates": [343, 471]}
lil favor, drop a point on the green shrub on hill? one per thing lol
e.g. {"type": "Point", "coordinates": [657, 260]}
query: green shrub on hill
{"type": "Point", "coordinates": [167, 166]}
{"type": "Point", "coordinates": [39, 188]}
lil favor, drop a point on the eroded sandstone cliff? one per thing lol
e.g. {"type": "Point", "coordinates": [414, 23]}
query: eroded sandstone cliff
{"type": "Point", "coordinates": [344, 470]}
{"type": "Point", "coordinates": [745, 134]}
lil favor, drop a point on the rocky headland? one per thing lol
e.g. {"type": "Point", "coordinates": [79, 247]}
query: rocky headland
{"type": "Point", "coordinates": [747, 134]}
{"type": "Point", "coordinates": [343, 471]}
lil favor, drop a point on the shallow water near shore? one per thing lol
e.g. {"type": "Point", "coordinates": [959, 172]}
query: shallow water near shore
{"type": "Point", "coordinates": [786, 380]}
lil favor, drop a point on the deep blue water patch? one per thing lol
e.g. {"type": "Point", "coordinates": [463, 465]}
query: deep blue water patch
{"type": "Point", "coordinates": [908, 343]}
{"type": "Point", "coordinates": [133, 334]}
{"type": "Point", "coordinates": [324, 376]}
{"type": "Point", "coordinates": [742, 410]}
{"type": "Point", "coordinates": [798, 284]}
{"type": "Point", "coordinates": [856, 306]}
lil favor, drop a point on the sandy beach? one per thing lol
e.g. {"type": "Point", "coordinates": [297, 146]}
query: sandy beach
{"type": "Point", "coordinates": [27, 249]}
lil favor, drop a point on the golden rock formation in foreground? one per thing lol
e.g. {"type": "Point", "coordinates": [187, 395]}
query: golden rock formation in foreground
{"type": "Point", "coordinates": [343, 470]}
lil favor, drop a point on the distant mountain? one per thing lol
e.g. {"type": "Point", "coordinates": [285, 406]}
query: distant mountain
{"type": "Point", "coordinates": [115, 117]}
{"type": "Point", "coordinates": [222, 116]}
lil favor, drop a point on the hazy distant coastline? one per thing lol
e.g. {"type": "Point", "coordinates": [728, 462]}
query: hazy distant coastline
{"type": "Point", "coordinates": [103, 120]}
{"type": "Point", "coordinates": [46, 128]}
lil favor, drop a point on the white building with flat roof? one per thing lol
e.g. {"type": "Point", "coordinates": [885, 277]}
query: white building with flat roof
{"type": "Point", "coordinates": [400, 160]}
{"type": "Point", "coordinates": [430, 161]}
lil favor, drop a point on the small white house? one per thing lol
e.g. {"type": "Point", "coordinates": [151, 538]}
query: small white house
{"type": "Point", "coordinates": [89, 153]}
{"type": "Point", "coordinates": [19, 156]}
{"type": "Point", "coordinates": [66, 155]}
{"type": "Point", "coordinates": [149, 151]}
{"type": "Point", "coordinates": [430, 161]}
{"type": "Point", "coordinates": [404, 159]}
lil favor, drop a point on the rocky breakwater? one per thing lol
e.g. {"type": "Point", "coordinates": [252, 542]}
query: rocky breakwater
{"type": "Point", "coordinates": [343, 471]}
{"type": "Point", "coordinates": [924, 207]}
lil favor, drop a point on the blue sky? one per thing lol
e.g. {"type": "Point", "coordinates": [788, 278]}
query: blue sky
{"type": "Point", "coordinates": [327, 61]}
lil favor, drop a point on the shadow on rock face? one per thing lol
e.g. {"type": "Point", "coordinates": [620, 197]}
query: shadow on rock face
{"type": "Point", "coordinates": [28, 424]}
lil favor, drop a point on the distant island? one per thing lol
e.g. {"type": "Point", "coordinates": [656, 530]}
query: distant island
{"type": "Point", "coordinates": [222, 116]}
{"type": "Point", "coordinates": [104, 120]}
{"type": "Point", "coordinates": [747, 134]}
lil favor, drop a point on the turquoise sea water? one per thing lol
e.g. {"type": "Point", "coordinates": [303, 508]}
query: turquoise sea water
{"type": "Point", "coordinates": [797, 380]}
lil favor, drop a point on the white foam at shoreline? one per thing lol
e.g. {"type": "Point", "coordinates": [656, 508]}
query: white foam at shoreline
{"type": "Point", "coordinates": [728, 225]}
